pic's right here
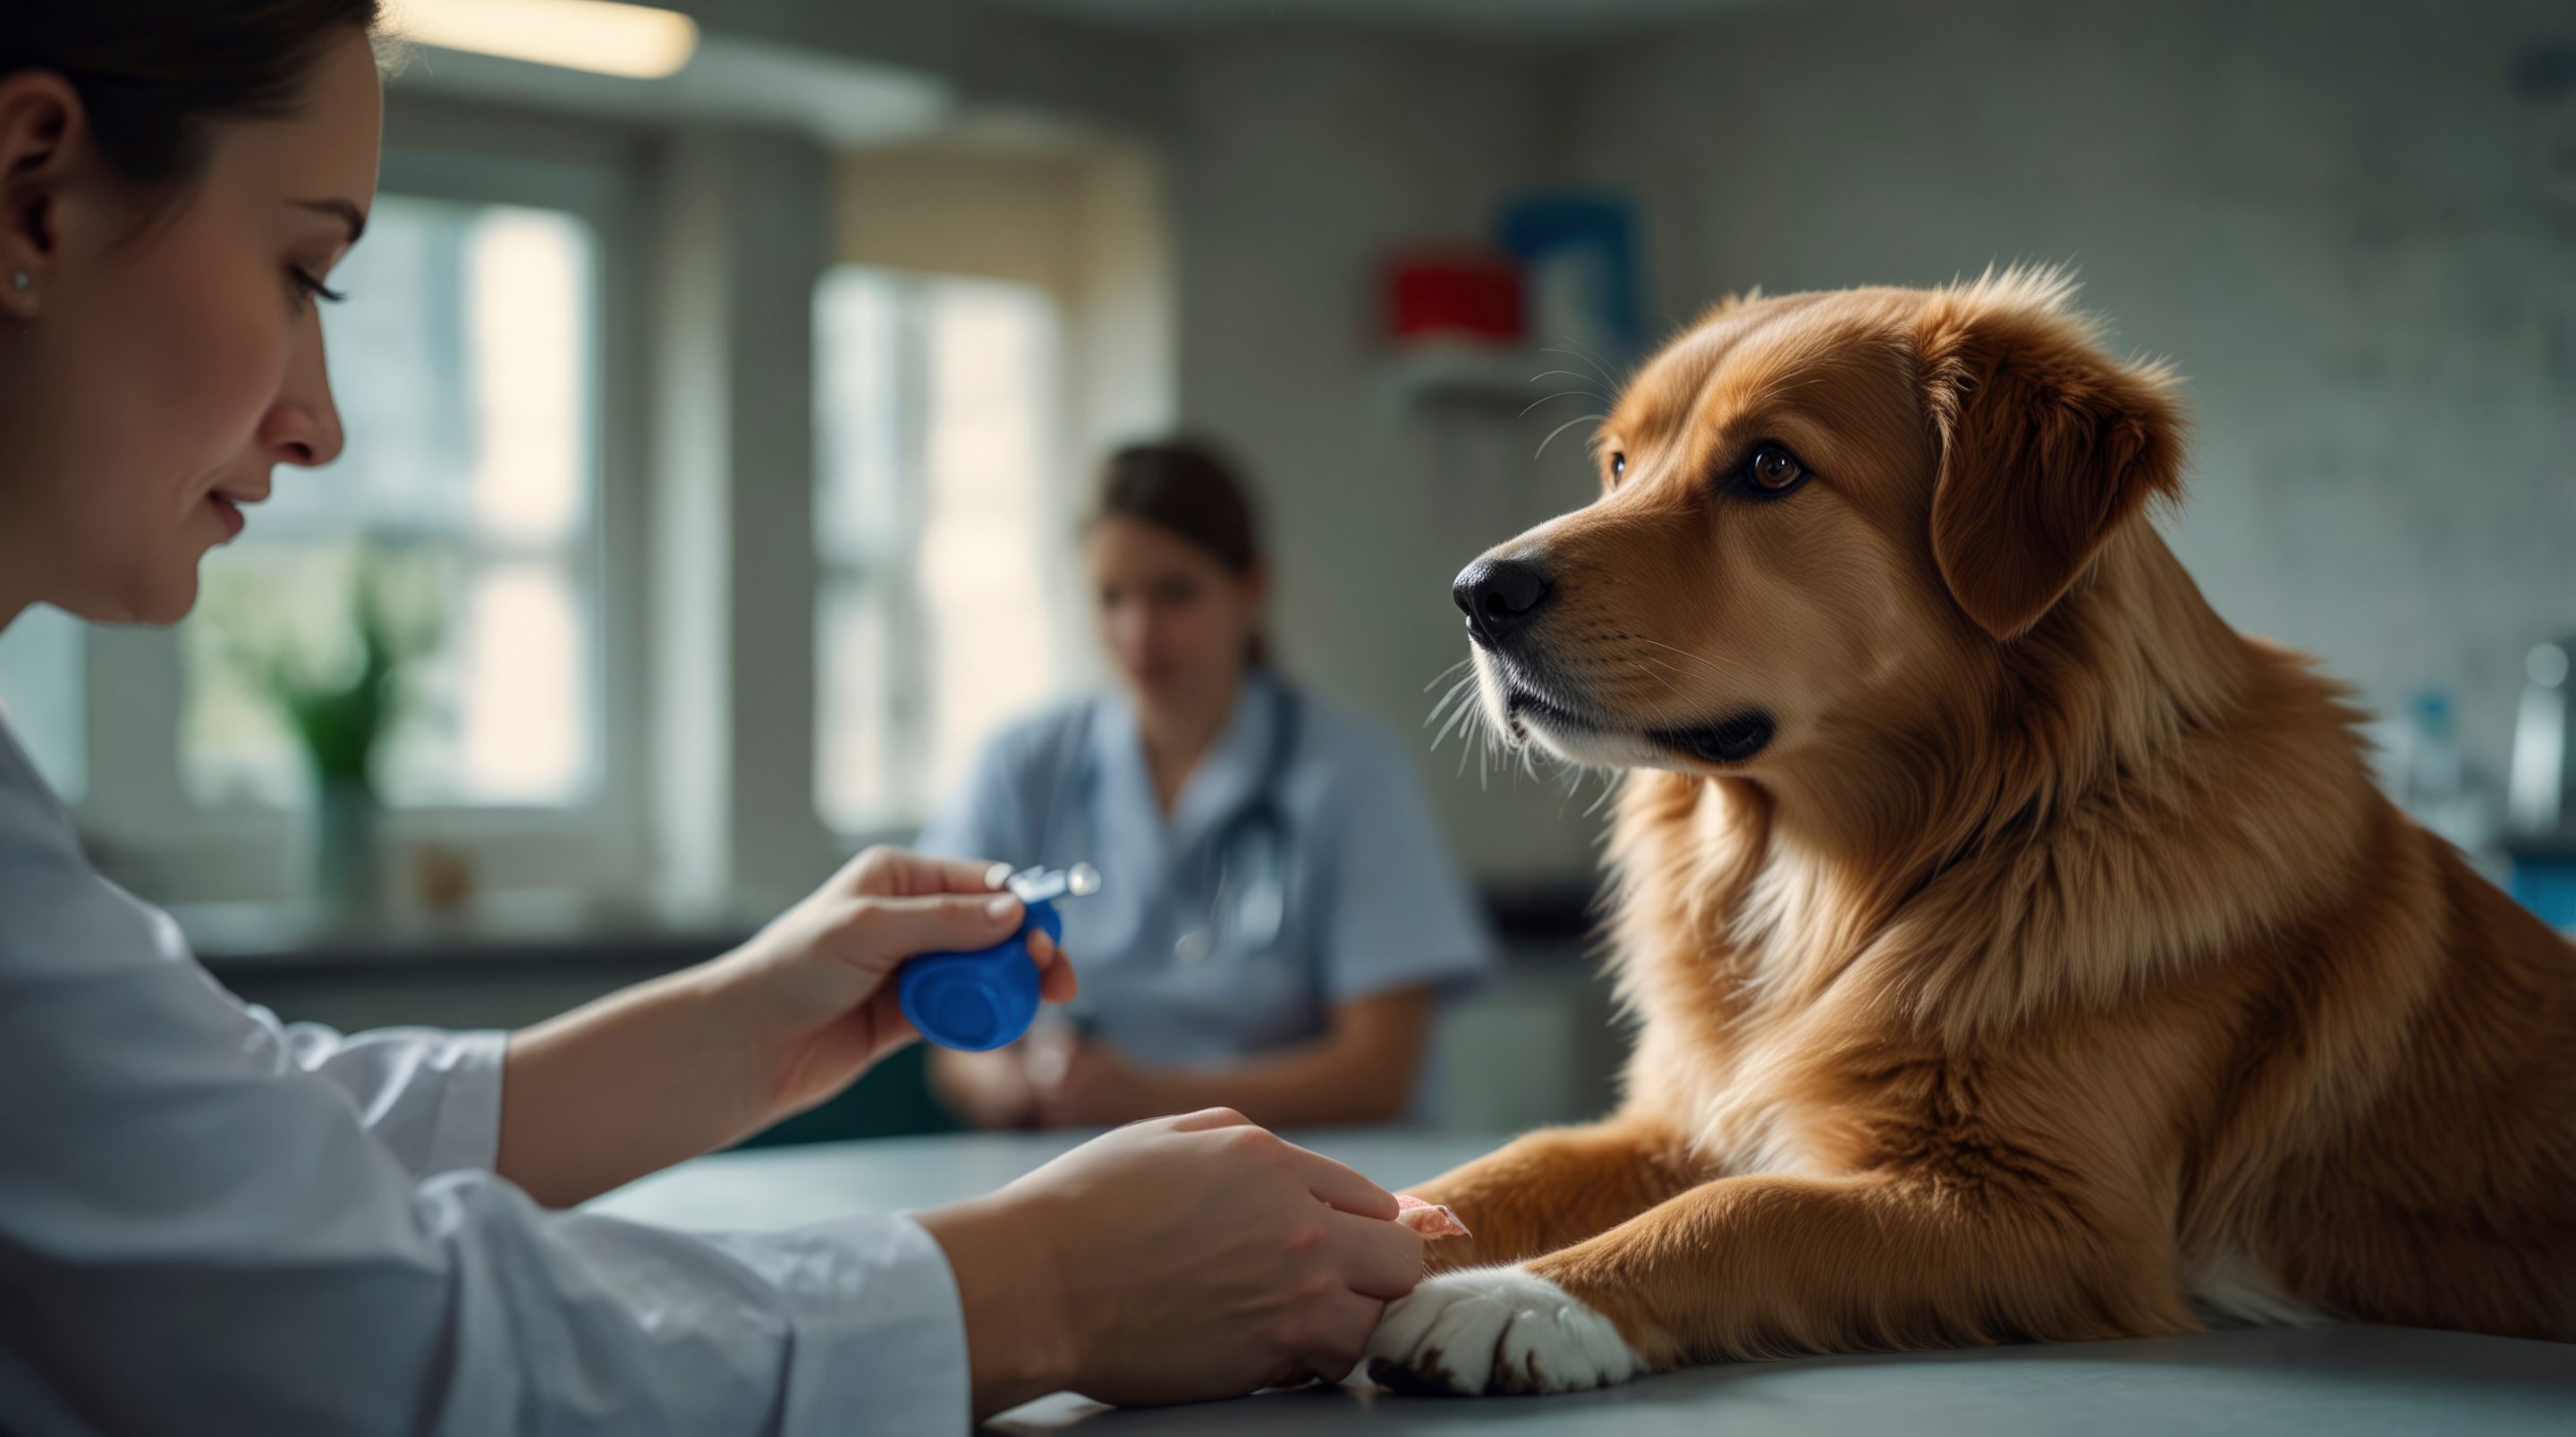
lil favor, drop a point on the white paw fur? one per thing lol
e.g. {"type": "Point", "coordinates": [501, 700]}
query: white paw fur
{"type": "Point", "coordinates": [1494, 1330]}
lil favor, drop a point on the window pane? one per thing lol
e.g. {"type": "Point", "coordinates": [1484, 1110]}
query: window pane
{"type": "Point", "coordinates": [987, 527]}
{"type": "Point", "coordinates": [855, 769]}
{"type": "Point", "coordinates": [41, 681]}
{"type": "Point", "coordinates": [858, 437]}
{"type": "Point", "coordinates": [530, 275]}
{"type": "Point", "coordinates": [521, 696]}
{"type": "Point", "coordinates": [463, 366]}
{"type": "Point", "coordinates": [936, 411]}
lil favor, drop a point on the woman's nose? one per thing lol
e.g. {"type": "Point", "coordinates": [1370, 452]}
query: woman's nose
{"type": "Point", "coordinates": [1130, 630]}
{"type": "Point", "coordinates": [303, 427]}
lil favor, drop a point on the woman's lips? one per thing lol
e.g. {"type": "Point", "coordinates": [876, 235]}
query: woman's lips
{"type": "Point", "coordinates": [229, 514]}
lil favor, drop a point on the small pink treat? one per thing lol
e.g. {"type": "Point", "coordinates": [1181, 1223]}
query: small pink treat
{"type": "Point", "coordinates": [1428, 1219]}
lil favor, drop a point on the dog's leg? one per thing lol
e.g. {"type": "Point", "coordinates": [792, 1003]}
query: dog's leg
{"type": "Point", "coordinates": [1765, 1266]}
{"type": "Point", "coordinates": [1559, 1186]}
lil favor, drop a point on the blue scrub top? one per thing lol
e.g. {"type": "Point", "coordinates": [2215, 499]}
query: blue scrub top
{"type": "Point", "coordinates": [1374, 901]}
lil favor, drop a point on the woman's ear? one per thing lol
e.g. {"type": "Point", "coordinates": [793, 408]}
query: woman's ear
{"type": "Point", "coordinates": [39, 117]}
{"type": "Point", "coordinates": [2046, 446]}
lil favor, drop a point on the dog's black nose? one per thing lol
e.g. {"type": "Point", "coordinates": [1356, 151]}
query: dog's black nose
{"type": "Point", "coordinates": [1500, 597]}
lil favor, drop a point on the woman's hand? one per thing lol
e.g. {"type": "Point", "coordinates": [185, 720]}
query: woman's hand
{"type": "Point", "coordinates": [816, 982]}
{"type": "Point", "coordinates": [1175, 1260]}
{"type": "Point", "coordinates": [672, 1068]}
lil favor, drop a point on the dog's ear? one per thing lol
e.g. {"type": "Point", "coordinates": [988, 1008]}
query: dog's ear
{"type": "Point", "coordinates": [2046, 446]}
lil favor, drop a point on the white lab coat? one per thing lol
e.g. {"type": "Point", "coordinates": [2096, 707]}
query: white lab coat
{"type": "Point", "coordinates": [211, 1222]}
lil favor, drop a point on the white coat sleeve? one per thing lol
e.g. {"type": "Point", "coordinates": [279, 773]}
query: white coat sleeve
{"type": "Point", "coordinates": [210, 1226]}
{"type": "Point", "coordinates": [432, 1097]}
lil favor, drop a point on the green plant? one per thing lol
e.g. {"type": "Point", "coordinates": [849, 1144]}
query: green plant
{"type": "Point", "coordinates": [341, 706]}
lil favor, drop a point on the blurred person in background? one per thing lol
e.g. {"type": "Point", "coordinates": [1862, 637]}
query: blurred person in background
{"type": "Point", "coordinates": [1278, 915]}
{"type": "Point", "coordinates": [211, 1221]}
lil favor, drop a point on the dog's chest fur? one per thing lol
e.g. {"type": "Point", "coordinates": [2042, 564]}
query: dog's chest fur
{"type": "Point", "coordinates": [1774, 1027]}
{"type": "Point", "coordinates": [1735, 1047]}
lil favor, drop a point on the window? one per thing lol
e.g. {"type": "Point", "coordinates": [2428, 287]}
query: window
{"type": "Point", "coordinates": [464, 365]}
{"type": "Point", "coordinates": [937, 529]}
{"type": "Point", "coordinates": [41, 679]}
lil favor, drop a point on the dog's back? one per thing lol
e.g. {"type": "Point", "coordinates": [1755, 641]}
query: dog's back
{"type": "Point", "coordinates": [2397, 1140]}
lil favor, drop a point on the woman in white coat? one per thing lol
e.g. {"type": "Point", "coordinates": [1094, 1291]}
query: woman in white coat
{"type": "Point", "coordinates": [212, 1222]}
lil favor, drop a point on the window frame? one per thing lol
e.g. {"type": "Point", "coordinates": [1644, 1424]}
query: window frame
{"type": "Point", "coordinates": [142, 818]}
{"type": "Point", "coordinates": [893, 571]}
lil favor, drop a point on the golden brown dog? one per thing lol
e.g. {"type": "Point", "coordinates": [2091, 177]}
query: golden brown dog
{"type": "Point", "coordinates": [2021, 953]}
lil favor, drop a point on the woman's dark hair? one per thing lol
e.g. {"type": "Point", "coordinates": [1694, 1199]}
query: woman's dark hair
{"type": "Point", "coordinates": [1189, 488]}
{"type": "Point", "coordinates": [155, 75]}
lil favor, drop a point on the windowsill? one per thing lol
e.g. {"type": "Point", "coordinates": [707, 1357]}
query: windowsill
{"type": "Point", "coordinates": [514, 930]}
{"type": "Point", "coordinates": [519, 929]}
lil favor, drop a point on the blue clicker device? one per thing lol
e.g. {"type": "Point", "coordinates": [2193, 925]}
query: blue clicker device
{"type": "Point", "coordinates": [978, 1001]}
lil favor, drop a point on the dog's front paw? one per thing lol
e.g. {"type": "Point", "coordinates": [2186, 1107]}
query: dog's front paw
{"type": "Point", "coordinates": [1493, 1330]}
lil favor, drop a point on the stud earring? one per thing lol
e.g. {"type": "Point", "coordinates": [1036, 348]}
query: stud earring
{"type": "Point", "coordinates": [19, 281]}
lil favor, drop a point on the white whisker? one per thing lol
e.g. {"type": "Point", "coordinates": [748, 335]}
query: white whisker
{"type": "Point", "coordinates": [1609, 786]}
{"type": "Point", "coordinates": [1447, 699]}
{"type": "Point", "coordinates": [1567, 373]}
{"type": "Point", "coordinates": [1587, 357]}
{"type": "Point", "coordinates": [1462, 720]}
{"type": "Point", "coordinates": [1560, 394]}
{"type": "Point", "coordinates": [1714, 665]}
{"type": "Point", "coordinates": [1560, 429]}
{"type": "Point", "coordinates": [1659, 678]}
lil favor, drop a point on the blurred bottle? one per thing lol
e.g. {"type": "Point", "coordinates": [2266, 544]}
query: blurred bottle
{"type": "Point", "coordinates": [2435, 768]}
{"type": "Point", "coordinates": [2540, 794]}
{"type": "Point", "coordinates": [2441, 789]}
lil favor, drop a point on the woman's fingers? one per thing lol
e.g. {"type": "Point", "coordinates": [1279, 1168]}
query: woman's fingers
{"type": "Point", "coordinates": [888, 872]}
{"type": "Point", "coordinates": [1382, 1260]}
{"type": "Point", "coordinates": [899, 874]}
{"type": "Point", "coordinates": [1336, 1332]}
{"type": "Point", "coordinates": [899, 928]}
{"type": "Point", "coordinates": [1056, 980]}
{"type": "Point", "coordinates": [1341, 1186]}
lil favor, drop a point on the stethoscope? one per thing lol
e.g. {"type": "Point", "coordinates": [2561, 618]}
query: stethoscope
{"type": "Point", "coordinates": [1248, 865]}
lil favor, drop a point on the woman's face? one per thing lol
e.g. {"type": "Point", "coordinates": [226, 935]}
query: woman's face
{"type": "Point", "coordinates": [1174, 618]}
{"type": "Point", "coordinates": [158, 366]}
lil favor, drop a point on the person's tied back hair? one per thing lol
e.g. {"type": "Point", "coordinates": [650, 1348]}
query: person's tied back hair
{"type": "Point", "coordinates": [155, 76]}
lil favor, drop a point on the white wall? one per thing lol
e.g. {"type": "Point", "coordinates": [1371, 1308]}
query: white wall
{"type": "Point", "coordinates": [1299, 160]}
{"type": "Point", "coordinates": [2353, 225]}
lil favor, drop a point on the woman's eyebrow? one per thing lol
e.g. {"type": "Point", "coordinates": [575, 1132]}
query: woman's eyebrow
{"type": "Point", "coordinates": [347, 213]}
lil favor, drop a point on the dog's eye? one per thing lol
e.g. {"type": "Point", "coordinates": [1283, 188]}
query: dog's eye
{"type": "Point", "coordinates": [1773, 471]}
{"type": "Point", "coordinates": [1618, 466]}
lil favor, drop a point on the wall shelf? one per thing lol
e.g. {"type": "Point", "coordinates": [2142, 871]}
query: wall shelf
{"type": "Point", "coordinates": [1453, 376]}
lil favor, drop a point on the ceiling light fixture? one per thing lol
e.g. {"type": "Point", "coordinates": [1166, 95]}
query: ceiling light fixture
{"type": "Point", "coordinates": [636, 41]}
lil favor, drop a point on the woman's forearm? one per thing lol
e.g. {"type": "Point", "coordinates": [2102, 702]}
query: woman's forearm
{"type": "Point", "coordinates": [626, 1086]}
{"type": "Point", "coordinates": [1019, 1330]}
